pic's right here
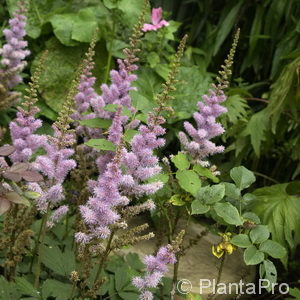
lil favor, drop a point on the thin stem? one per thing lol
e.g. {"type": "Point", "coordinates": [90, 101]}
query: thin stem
{"type": "Point", "coordinates": [73, 290]}
{"type": "Point", "coordinates": [104, 256]}
{"type": "Point", "coordinates": [41, 244]}
{"type": "Point", "coordinates": [266, 177]}
{"type": "Point", "coordinates": [110, 53]}
{"type": "Point", "coordinates": [212, 297]}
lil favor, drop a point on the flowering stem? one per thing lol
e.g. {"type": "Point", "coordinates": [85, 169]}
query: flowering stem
{"type": "Point", "coordinates": [40, 247]}
{"type": "Point", "coordinates": [104, 256]}
{"type": "Point", "coordinates": [110, 53]}
{"type": "Point", "coordinates": [211, 296]}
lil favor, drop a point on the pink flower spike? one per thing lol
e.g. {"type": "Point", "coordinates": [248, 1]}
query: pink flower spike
{"type": "Point", "coordinates": [156, 20]}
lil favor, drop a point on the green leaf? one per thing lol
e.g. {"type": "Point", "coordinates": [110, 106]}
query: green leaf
{"type": "Point", "coordinates": [206, 173]}
{"type": "Point", "coordinates": [241, 240]}
{"type": "Point", "coordinates": [62, 27]}
{"type": "Point", "coordinates": [232, 191]}
{"type": "Point", "coordinates": [96, 123]}
{"type": "Point", "coordinates": [26, 288]}
{"type": "Point", "coordinates": [134, 261]}
{"type": "Point", "coordinates": [228, 213]}
{"type": "Point", "coordinates": [176, 200]}
{"type": "Point", "coordinates": [114, 107]}
{"type": "Point", "coordinates": [252, 217]}
{"type": "Point", "coordinates": [256, 128]}
{"type": "Point", "coordinates": [273, 249]}
{"type": "Point", "coordinates": [153, 59]}
{"type": "Point", "coordinates": [199, 208]}
{"type": "Point", "coordinates": [226, 25]}
{"type": "Point", "coordinates": [280, 212]}
{"type": "Point", "coordinates": [85, 25]}
{"type": "Point", "coordinates": [122, 278]}
{"type": "Point", "coordinates": [212, 194]}
{"type": "Point", "coordinates": [57, 289]}
{"type": "Point", "coordinates": [295, 292]}
{"type": "Point", "coordinates": [61, 263]}
{"type": "Point", "coordinates": [101, 144]}
{"type": "Point", "coordinates": [268, 271]}
{"type": "Point", "coordinates": [8, 290]}
{"type": "Point", "coordinates": [242, 177]}
{"type": "Point", "coordinates": [189, 181]}
{"type": "Point", "coordinates": [252, 256]}
{"type": "Point", "coordinates": [181, 161]}
{"type": "Point", "coordinates": [129, 134]}
{"type": "Point", "coordinates": [259, 234]}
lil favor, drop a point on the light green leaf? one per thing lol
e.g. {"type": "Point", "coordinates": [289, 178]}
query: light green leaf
{"type": "Point", "coordinates": [96, 123]}
{"type": "Point", "coordinates": [228, 213]}
{"type": "Point", "coordinates": [101, 144]}
{"type": "Point", "coordinates": [212, 194]}
{"type": "Point", "coordinates": [176, 200]}
{"type": "Point", "coordinates": [189, 181]}
{"type": "Point", "coordinates": [206, 173]}
{"type": "Point", "coordinates": [268, 271]}
{"type": "Point", "coordinates": [252, 256]}
{"type": "Point", "coordinates": [273, 249]}
{"type": "Point", "coordinates": [232, 191]}
{"type": "Point", "coordinates": [153, 59]}
{"type": "Point", "coordinates": [252, 217]}
{"type": "Point", "coordinates": [242, 177]}
{"type": "Point", "coordinates": [259, 234]}
{"type": "Point", "coordinates": [241, 240]}
{"type": "Point", "coordinates": [129, 134]}
{"type": "Point", "coordinates": [181, 161]}
{"type": "Point", "coordinates": [199, 208]}
{"type": "Point", "coordinates": [280, 212]}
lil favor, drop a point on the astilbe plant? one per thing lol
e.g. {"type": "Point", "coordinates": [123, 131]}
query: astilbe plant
{"type": "Point", "coordinates": [13, 54]}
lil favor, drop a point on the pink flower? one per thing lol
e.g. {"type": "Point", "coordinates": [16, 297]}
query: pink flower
{"type": "Point", "coordinates": [156, 19]}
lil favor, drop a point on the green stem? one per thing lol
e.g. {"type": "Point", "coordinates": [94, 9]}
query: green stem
{"type": "Point", "coordinates": [73, 290]}
{"type": "Point", "coordinates": [40, 247]}
{"type": "Point", "coordinates": [104, 256]}
{"type": "Point", "coordinates": [110, 53]}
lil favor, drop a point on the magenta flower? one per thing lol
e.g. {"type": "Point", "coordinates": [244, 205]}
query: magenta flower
{"type": "Point", "coordinates": [156, 19]}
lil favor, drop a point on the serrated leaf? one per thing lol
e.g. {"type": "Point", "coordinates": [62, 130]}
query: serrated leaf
{"type": "Point", "coordinates": [199, 208]}
{"type": "Point", "coordinates": [26, 288]}
{"type": "Point", "coordinates": [241, 240]}
{"type": "Point", "coordinates": [228, 213]}
{"type": "Point", "coordinates": [101, 144]}
{"type": "Point", "coordinates": [181, 161]}
{"type": "Point", "coordinates": [96, 123]}
{"type": "Point", "coordinates": [252, 256]}
{"type": "Point", "coordinates": [242, 177]}
{"type": "Point", "coordinates": [57, 289]}
{"type": "Point", "coordinates": [273, 249]}
{"type": "Point", "coordinates": [61, 263]}
{"type": "Point", "coordinates": [189, 181]}
{"type": "Point", "coordinates": [259, 234]}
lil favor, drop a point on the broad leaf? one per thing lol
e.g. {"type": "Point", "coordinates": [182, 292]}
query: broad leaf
{"type": "Point", "coordinates": [241, 240]}
{"type": "Point", "coordinates": [101, 144]}
{"type": "Point", "coordinates": [212, 194]}
{"type": "Point", "coordinates": [181, 161]}
{"type": "Point", "coordinates": [242, 177]}
{"type": "Point", "coordinates": [259, 234]}
{"type": "Point", "coordinates": [205, 172]}
{"type": "Point", "coordinates": [189, 181]}
{"type": "Point", "coordinates": [252, 256]}
{"type": "Point", "coordinates": [228, 213]}
{"type": "Point", "coordinates": [199, 208]}
{"type": "Point", "coordinates": [273, 249]}
{"type": "Point", "coordinates": [96, 123]}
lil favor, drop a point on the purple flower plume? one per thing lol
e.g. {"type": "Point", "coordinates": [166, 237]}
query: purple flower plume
{"type": "Point", "coordinates": [14, 51]}
{"type": "Point", "coordinates": [140, 163]}
{"type": "Point", "coordinates": [55, 165]}
{"type": "Point", "coordinates": [201, 146]}
{"type": "Point", "coordinates": [23, 137]}
{"type": "Point", "coordinates": [156, 267]}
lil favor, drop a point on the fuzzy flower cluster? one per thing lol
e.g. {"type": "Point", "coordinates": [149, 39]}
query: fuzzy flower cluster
{"type": "Point", "coordinates": [55, 165]}
{"type": "Point", "coordinates": [23, 136]}
{"type": "Point", "coordinates": [14, 51]}
{"type": "Point", "coordinates": [156, 267]}
{"type": "Point", "coordinates": [201, 146]}
{"type": "Point", "coordinates": [99, 211]}
{"type": "Point", "coordinates": [140, 163]}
